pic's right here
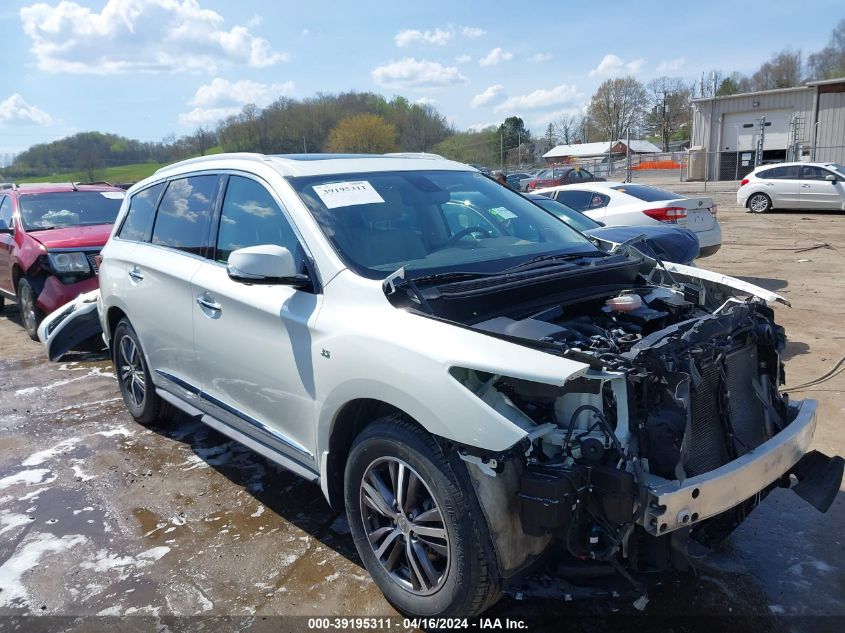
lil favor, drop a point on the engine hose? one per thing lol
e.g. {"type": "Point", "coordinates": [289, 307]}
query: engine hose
{"type": "Point", "coordinates": [837, 369]}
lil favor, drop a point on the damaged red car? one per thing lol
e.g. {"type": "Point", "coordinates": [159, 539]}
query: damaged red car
{"type": "Point", "coordinates": [50, 235]}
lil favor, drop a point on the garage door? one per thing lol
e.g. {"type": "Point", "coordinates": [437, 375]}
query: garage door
{"type": "Point", "coordinates": [740, 130]}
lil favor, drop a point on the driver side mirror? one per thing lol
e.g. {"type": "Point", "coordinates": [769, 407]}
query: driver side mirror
{"type": "Point", "coordinates": [265, 264]}
{"type": "Point", "coordinates": [830, 178]}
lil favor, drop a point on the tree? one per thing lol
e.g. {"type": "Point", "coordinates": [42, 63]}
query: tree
{"type": "Point", "coordinates": [829, 62]}
{"type": "Point", "coordinates": [363, 133]}
{"type": "Point", "coordinates": [783, 70]}
{"type": "Point", "coordinates": [513, 133]}
{"type": "Point", "coordinates": [730, 85]}
{"type": "Point", "coordinates": [569, 128]}
{"type": "Point", "coordinates": [669, 111]}
{"type": "Point", "coordinates": [480, 147]}
{"type": "Point", "coordinates": [550, 137]}
{"type": "Point", "coordinates": [617, 106]}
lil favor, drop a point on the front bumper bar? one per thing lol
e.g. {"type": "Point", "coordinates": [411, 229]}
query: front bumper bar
{"type": "Point", "coordinates": [671, 505]}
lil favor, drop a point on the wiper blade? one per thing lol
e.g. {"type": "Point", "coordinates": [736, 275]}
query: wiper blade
{"type": "Point", "coordinates": [536, 262]}
{"type": "Point", "coordinates": [42, 228]}
{"type": "Point", "coordinates": [453, 275]}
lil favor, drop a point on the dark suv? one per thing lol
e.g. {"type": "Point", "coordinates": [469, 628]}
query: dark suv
{"type": "Point", "coordinates": [49, 237]}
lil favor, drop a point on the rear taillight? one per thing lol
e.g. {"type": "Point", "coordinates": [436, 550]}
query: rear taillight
{"type": "Point", "coordinates": [670, 215]}
{"type": "Point", "coordinates": [713, 210]}
{"type": "Point", "coordinates": [744, 182]}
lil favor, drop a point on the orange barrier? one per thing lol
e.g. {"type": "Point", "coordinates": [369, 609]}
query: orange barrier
{"type": "Point", "coordinates": [657, 164]}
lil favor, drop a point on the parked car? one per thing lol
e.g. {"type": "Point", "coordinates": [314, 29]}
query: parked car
{"type": "Point", "coordinates": [671, 244]}
{"type": "Point", "coordinates": [810, 186]}
{"type": "Point", "coordinates": [50, 235]}
{"type": "Point", "coordinates": [480, 387]}
{"type": "Point", "coordinates": [561, 176]}
{"type": "Point", "coordinates": [515, 179]}
{"type": "Point", "coordinates": [629, 204]}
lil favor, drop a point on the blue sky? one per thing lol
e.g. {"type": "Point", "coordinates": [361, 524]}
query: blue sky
{"type": "Point", "coordinates": [149, 68]}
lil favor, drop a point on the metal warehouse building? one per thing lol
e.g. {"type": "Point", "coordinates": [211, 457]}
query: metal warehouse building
{"type": "Point", "coordinates": [741, 131]}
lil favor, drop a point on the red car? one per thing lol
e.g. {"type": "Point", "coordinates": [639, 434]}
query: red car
{"type": "Point", "coordinates": [49, 237]}
{"type": "Point", "coordinates": [561, 176]}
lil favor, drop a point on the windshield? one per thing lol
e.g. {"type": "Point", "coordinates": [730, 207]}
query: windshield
{"type": "Point", "coordinates": [41, 211]}
{"type": "Point", "coordinates": [573, 218]}
{"type": "Point", "coordinates": [432, 222]}
{"type": "Point", "coordinates": [838, 168]}
{"type": "Point", "coordinates": [647, 193]}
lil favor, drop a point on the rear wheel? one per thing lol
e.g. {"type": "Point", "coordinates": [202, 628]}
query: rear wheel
{"type": "Point", "coordinates": [133, 375]}
{"type": "Point", "coordinates": [759, 203]}
{"type": "Point", "coordinates": [31, 314]}
{"type": "Point", "coordinates": [416, 523]}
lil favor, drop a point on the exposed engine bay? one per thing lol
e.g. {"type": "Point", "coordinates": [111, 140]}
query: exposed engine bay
{"type": "Point", "coordinates": [633, 465]}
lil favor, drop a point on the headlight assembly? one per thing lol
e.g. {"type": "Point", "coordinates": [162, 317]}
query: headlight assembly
{"type": "Point", "coordinates": [69, 263]}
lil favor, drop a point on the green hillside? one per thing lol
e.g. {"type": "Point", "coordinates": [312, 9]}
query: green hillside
{"type": "Point", "coordinates": [123, 173]}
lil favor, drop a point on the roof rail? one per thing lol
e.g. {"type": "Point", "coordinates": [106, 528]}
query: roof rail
{"type": "Point", "coordinates": [96, 182]}
{"type": "Point", "coordinates": [215, 157]}
{"type": "Point", "coordinates": [415, 155]}
{"type": "Point", "coordinates": [8, 185]}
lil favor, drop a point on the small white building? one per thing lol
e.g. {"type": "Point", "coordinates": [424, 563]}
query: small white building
{"type": "Point", "coordinates": [593, 151]}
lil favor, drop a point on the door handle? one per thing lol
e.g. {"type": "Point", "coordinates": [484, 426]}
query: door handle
{"type": "Point", "coordinates": [805, 186]}
{"type": "Point", "coordinates": [207, 302]}
{"type": "Point", "coordinates": [135, 274]}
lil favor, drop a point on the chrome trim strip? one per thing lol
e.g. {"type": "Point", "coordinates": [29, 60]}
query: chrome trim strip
{"type": "Point", "coordinates": [258, 424]}
{"type": "Point", "coordinates": [670, 505]}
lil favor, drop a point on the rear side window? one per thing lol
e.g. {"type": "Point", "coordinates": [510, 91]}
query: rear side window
{"type": "Point", "coordinates": [185, 213]}
{"type": "Point", "coordinates": [250, 217]}
{"type": "Point", "coordinates": [5, 212]}
{"type": "Point", "coordinates": [646, 193]}
{"type": "Point", "coordinates": [136, 226]}
{"type": "Point", "coordinates": [789, 172]}
{"type": "Point", "coordinates": [582, 200]}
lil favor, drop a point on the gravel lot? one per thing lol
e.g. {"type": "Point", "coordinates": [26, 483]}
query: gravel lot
{"type": "Point", "coordinates": [99, 515]}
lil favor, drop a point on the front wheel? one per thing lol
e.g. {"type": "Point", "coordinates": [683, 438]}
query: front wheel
{"type": "Point", "coordinates": [759, 203]}
{"type": "Point", "coordinates": [133, 375]}
{"type": "Point", "coordinates": [31, 314]}
{"type": "Point", "coordinates": [416, 523]}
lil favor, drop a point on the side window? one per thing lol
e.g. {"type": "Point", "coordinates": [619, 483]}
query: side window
{"type": "Point", "coordinates": [578, 200]}
{"type": "Point", "coordinates": [136, 226]}
{"type": "Point", "coordinates": [251, 217]}
{"type": "Point", "coordinates": [185, 213]}
{"type": "Point", "coordinates": [5, 212]}
{"type": "Point", "coordinates": [767, 173]}
{"type": "Point", "coordinates": [813, 173]}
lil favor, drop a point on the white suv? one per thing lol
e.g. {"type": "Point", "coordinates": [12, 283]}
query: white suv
{"type": "Point", "coordinates": [809, 186]}
{"type": "Point", "coordinates": [484, 390]}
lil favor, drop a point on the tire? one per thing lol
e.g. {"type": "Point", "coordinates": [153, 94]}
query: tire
{"type": "Point", "coordinates": [31, 314]}
{"type": "Point", "coordinates": [759, 203]}
{"type": "Point", "coordinates": [2, 303]}
{"type": "Point", "coordinates": [457, 569]}
{"type": "Point", "coordinates": [133, 376]}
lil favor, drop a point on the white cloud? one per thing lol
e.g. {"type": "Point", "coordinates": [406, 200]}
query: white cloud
{"type": "Point", "coordinates": [472, 32]}
{"type": "Point", "coordinates": [542, 98]}
{"type": "Point", "coordinates": [613, 65]}
{"type": "Point", "coordinates": [490, 95]}
{"type": "Point", "coordinates": [463, 59]}
{"type": "Point", "coordinates": [255, 21]}
{"type": "Point", "coordinates": [140, 35]}
{"type": "Point", "coordinates": [416, 74]}
{"type": "Point", "coordinates": [427, 101]}
{"type": "Point", "coordinates": [540, 57]}
{"type": "Point", "coordinates": [15, 109]}
{"type": "Point", "coordinates": [671, 65]}
{"type": "Point", "coordinates": [437, 37]}
{"type": "Point", "coordinates": [495, 57]}
{"type": "Point", "coordinates": [221, 98]}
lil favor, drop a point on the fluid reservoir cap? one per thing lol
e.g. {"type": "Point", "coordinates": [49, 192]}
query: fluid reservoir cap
{"type": "Point", "coordinates": [624, 303]}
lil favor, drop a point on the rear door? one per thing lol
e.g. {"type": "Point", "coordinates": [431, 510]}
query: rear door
{"type": "Point", "coordinates": [783, 185]}
{"type": "Point", "coordinates": [158, 281]}
{"type": "Point", "coordinates": [255, 341]}
{"type": "Point", "coordinates": [819, 193]}
{"type": "Point", "coordinates": [7, 243]}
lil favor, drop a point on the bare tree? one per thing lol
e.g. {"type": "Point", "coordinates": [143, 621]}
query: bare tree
{"type": "Point", "coordinates": [829, 62]}
{"type": "Point", "coordinates": [568, 128]}
{"type": "Point", "coordinates": [202, 139]}
{"type": "Point", "coordinates": [783, 70]}
{"type": "Point", "coordinates": [618, 105]}
{"type": "Point", "coordinates": [669, 112]}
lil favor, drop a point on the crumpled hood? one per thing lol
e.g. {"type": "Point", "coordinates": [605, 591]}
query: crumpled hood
{"type": "Point", "coordinates": [94, 236]}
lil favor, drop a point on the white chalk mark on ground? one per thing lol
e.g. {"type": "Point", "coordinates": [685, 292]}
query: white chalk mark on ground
{"type": "Point", "coordinates": [27, 557]}
{"type": "Point", "coordinates": [65, 446]}
{"type": "Point", "coordinates": [28, 477]}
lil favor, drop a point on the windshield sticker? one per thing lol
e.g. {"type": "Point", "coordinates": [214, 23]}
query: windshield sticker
{"type": "Point", "coordinates": [502, 213]}
{"type": "Point", "coordinates": [347, 194]}
{"type": "Point", "coordinates": [113, 195]}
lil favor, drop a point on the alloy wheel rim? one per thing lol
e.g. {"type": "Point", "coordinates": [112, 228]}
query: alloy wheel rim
{"type": "Point", "coordinates": [132, 375]}
{"type": "Point", "coordinates": [404, 525]}
{"type": "Point", "coordinates": [758, 203]}
{"type": "Point", "coordinates": [27, 308]}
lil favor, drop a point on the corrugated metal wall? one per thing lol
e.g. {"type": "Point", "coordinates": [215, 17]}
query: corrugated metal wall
{"type": "Point", "coordinates": [831, 134]}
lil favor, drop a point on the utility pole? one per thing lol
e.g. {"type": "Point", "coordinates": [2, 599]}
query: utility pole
{"type": "Point", "coordinates": [501, 151]}
{"type": "Point", "coordinates": [628, 155]}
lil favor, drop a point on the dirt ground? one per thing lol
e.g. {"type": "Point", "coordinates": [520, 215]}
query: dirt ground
{"type": "Point", "coordinates": [99, 515]}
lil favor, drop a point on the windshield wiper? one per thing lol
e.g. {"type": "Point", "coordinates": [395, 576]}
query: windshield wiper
{"type": "Point", "coordinates": [453, 275]}
{"type": "Point", "coordinates": [540, 260]}
{"type": "Point", "coordinates": [42, 228]}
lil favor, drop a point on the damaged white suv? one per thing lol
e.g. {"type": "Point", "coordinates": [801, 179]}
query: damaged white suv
{"type": "Point", "coordinates": [500, 404]}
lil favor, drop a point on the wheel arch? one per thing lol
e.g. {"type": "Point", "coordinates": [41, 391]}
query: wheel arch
{"type": "Point", "coordinates": [113, 317]}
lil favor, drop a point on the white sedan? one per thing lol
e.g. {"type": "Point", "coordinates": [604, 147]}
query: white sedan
{"type": "Point", "coordinates": [629, 204]}
{"type": "Point", "coordinates": [810, 186]}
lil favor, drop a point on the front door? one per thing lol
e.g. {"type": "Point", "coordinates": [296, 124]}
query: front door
{"type": "Point", "coordinates": [255, 342]}
{"type": "Point", "coordinates": [7, 243]}
{"type": "Point", "coordinates": [819, 193]}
